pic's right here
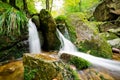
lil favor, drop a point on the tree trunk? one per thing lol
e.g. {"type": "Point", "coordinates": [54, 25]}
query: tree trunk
{"type": "Point", "coordinates": [51, 5]}
{"type": "Point", "coordinates": [47, 4]}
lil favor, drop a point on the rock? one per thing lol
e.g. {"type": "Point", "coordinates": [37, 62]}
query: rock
{"type": "Point", "coordinates": [107, 10]}
{"type": "Point", "coordinates": [48, 29]}
{"type": "Point", "coordinates": [12, 71]}
{"type": "Point", "coordinates": [108, 35]}
{"type": "Point", "coordinates": [115, 31]}
{"type": "Point", "coordinates": [35, 19]}
{"type": "Point", "coordinates": [85, 37]}
{"type": "Point", "coordinates": [93, 74]}
{"type": "Point", "coordinates": [106, 26]}
{"type": "Point", "coordinates": [44, 67]}
{"type": "Point", "coordinates": [115, 50]}
{"type": "Point", "coordinates": [115, 43]}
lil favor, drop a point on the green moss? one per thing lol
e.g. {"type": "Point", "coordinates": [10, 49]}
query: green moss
{"type": "Point", "coordinates": [79, 63]}
{"type": "Point", "coordinates": [60, 18]}
{"type": "Point", "coordinates": [97, 47]}
{"type": "Point", "coordinates": [109, 36]}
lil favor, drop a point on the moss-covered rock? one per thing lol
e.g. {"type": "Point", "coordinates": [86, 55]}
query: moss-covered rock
{"type": "Point", "coordinates": [106, 26]}
{"type": "Point", "coordinates": [108, 36]}
{"type": "Point", "coordinates": [48, 28]}
{"type": "Point", "coordinates": [45, 67]}
{"type": "Point", "coordinates": [79, 63]}
{"type": "Point", "coordinates": [86, 39]}
{"type": "Point", "coordinates": [107, 10]}
{"type": "Point", "coordinates": [35, 19]}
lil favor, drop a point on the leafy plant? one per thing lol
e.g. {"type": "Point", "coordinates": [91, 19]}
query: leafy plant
{"type": "Point", "coordinates": [12, 22]}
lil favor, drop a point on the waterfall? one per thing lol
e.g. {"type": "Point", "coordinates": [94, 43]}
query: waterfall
{"type": "Point", "coordinates": [34, 42]}
{"type": "Point", "coordinates": [66, 45]}
{"type": "Point", "coordinates": [69, 48]}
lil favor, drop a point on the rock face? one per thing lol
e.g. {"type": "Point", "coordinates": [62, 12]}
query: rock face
{"type": "Point", "coordinates": [48, 29]}
{"type": "Point", "coordinates": [107, 10]}
{"type": "Point", "coordinates": [86, 39]}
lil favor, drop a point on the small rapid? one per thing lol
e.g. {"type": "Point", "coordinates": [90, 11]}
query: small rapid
{"type": "Point", "coordinates": [69, 48]}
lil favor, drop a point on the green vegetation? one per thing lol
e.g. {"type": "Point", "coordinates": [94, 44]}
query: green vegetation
{"type": "Point", "coordinates": [60, 18]}
{"type": "Point", "coordinates": [79, 5]}
{"type": "Point", "coordinates": [79, 63]}
{"type": "Point", "coordinates": [12, 22]}
{"type": "Point", "coordinates": [96, 47]}
{"type": "Point", "coordinates": [29, 74]}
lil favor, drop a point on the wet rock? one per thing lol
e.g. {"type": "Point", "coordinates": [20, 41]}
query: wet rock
{"type": "Point", "coordinates": [115, 43]}
{"type": "Point", "coordinates": [48, 29]}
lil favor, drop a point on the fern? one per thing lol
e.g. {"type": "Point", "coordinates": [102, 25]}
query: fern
{"type": "Point", "coordinates": [12, 22]}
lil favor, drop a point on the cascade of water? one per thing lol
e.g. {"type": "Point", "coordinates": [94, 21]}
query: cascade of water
{"type": "Point", "coordinates": [69, 48]}
{"type": "Point", "coordinates": [34, 42]}
{"type": "Point", "coordinates": [65, 43]}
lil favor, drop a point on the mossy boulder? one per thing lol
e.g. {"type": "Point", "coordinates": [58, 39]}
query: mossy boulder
{"type": "Point", "coordinates": [48, 29]}
{"type": "Point", "coordinates": [35, 19]}
{"type": "Point", "coordinates": [85, 38]}
{"type": "Point", "coordinates": [45, 67]}
{"type": "Point", "coordinates": [107, 10]}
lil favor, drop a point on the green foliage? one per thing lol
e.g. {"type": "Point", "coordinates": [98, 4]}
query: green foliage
{"type": "Point", "coordinates": [87, 4]}
{"type": "Point", "coordinates": [19, 3]}
{"type": "Point", "coordinates": [75, 74]}
{"type": "Point", "coordinates": [31, 6]}
{"type": "Point", "coordinates": [12, 22]}
{"type": "Point", "coordinates": [29, 74]}
{"type": "Point", "coordinates": [79, 5]}
{"type": "Point", "coordinates": [3, 7]}
{"type": "Point", "coordinates": [60, 18]}
{"type": "Point", "coordinates": [72, 5]}
{"type": "Point", "coordinates": [79, 63]}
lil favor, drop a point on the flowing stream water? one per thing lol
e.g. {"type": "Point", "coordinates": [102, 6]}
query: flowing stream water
{"type": "Point", "coordinates": [34, 42]}
{"type": "Point", "coordinates": [69, 48]}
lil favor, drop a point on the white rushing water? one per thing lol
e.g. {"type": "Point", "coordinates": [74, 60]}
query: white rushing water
{"type": "Point", "coordinates": [69, 48]}
{"type": "Point", "coordinates": [34, 42]}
